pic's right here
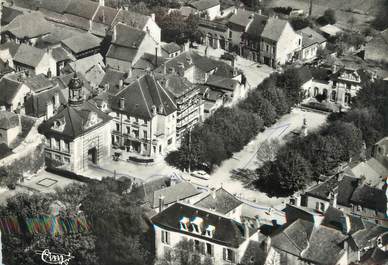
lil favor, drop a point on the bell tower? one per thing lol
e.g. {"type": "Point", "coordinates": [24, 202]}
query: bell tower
{"type": "Point", "coordinates": [76, 95]}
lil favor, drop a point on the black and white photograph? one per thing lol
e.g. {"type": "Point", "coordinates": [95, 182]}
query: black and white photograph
{"type": "Point", "coordinates": [194, 132]}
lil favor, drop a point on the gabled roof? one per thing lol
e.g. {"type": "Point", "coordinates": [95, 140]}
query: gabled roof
{"type": "Point", "coordinates": [223, 83]}
{"type": "Point", "coordinates": [21, 26]}
{"type": "Point", "coordinates": [85, 64]}
{"type": "Point", "coordinates": [82, 42]}
{"type": "Point", "coordinates": [202, 5]}
{"type": "Point", "coordinates": [76, 21]}
{"type": "Point", "coordinates": [36, 105]}
{"type": "Point", "coordinates": [127, 36]}
{"type": "Point", "coordinates": [54, 5]}
{"type": "Point", "coordinates": [227, 231]}
{"type": "Point", "coordinates": [171, 47]}
{"type": "Point", "coordinates": [85, 9]}
{"type": "Point", "coordinates": [140, 97]}
{"type": "Point", "coordinates": [174, 193]}
{"type": "Point", "coordinates": [105, 15]}
{"type": "Point", "coordinates": [112, 77]}
{"type": "Point", "coordinates": [274, 28]}
{"type": "Point", "coordinates": [257, 26]}
{"type": "Point", "coordinates": [59, 54]}
{"type": "Point", "coordinates": [370, 198]}
{"type": "Point", "coordinates": [9, 14]}
{"type": "Point", "coordinates": [39, 83]}
{"type": "Point", "coordinates": [75, 118]}
{"type": "Point", "coordinates": [29, 55]}
{"type": "Point", "coordinates": [176, 85]}
{"type": "Point", "coordinates": [220, 201]}
{"type": "Point", "coordinates": [8, 90]}
{"type": "Point", "coordinates": [241, 19]}
{"type": "Point", "coordinates": [132, 19]}
{"type": "Point", "coordinates": [8, 120]}
{"type": "Point", "coordinates": [310, 37]}
{"type": "Point", "coordinates": [11, 46]}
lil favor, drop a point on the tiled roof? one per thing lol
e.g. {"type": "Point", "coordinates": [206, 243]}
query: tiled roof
{"type": "Point", "coordinates": [334, 219]}
{"type": "Point", "coordinates": [257, 26]}
{"type": "Point", "coordinates": [85, 64]}
{"type": "Point", "coordinates": [59, 54]}
{"type": "Point", "coordinates": [112, 77]}
{"type": "Point", "coordinates": [82, 42]}
{"type": "Point", "coordinates": [38, 83]}
{"type": "Point", "coordinates": [75, 118]}
{"type": "Point", "coordinates": [36, 105]}
{"type": "Point", "coordinates": [330, 30]}
{"type": "Point", "coordinates": [76, 21]}
{"type": "Point", "coordinates": [8, 120]}
{"type": "Point", "coordinates": [364, 237]}
{"type": "Point", "coordinates": [274, 28]}
{"type": "Point", "coordinates": [204, 4]}
{"type": "Point", "coordinates": [85, 9]}
{"type": "Point", "coordinates": [227, 231]}
{"type": "Point", "coordinates": [224, 83]}
{"type": "Point", "coordinates": [29, 4]}
{"type": "Point", "coordinates": [9, 14]}
{"type": "Point", "coordinates": [105, 15]}
{"type": "Point", "coordinates": [55, 5]}
{"type": "Point", "coordinates": [218, 26]}
{"type": "Point", "coordinates": [346, 187]}
{"type": "Point", "coordinates": [11, 46]}
{"type": "Point", "coordinates": [241, 18]}
{"type": "Point", "coordinates": [171, 47]}
{"type": "Point", "coordinates": [22, 27]}
{"type": "Point", "coordinates": [176, 85]}
{"type": "Point", "coordinates": [127, 36]}
{"type": "Point", "coordinates": [180, 191]}
{"type": "Point", "coordinates": [140, 97]}
{"type": "Point", "coordinates": [29, 55]}
{"type": "Point", "coordinates": [220, 201]}
{"type": "Point", "coordinates": [8, 90]}
{"type": "Point", "coordinates": [310, 37]}
{"type": "Point", "coordinates": [121, 53]}
{"type": "Point", "coordinates": [132, 19]}
{"type": "Point", "coordinates": [370, 198]}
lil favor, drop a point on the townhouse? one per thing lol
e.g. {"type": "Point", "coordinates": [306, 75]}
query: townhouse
{"type": "Point", "coordinates": [312, 42]}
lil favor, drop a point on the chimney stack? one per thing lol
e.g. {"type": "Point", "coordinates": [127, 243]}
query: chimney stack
{"type": "Point", "coordinates": [49, 110]}
{"type": "Point", "coordinates": [122, 103]}
{"type": "Point", "coordinates": [161, 203]}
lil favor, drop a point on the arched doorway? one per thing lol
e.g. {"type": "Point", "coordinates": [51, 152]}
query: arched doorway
{"type": "Point", "coordinates": [348, 98]}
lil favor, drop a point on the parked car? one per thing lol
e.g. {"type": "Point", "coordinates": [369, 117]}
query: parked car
{"type": "Point", "coordinates": [200, 174]}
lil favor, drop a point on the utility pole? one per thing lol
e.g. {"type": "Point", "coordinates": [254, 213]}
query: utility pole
{"type": "Point", "coordinates": [311, 8]}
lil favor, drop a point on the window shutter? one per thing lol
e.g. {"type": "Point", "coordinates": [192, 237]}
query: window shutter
{"type": "Point", "coordinates": [232, 256]}
{"type": "Point", "coordinates": [168, 238]}
{"type": "Point", "coordinates": [163, 239]}
{"type": "Point", "coordinates": [212, 250]}
{"type": "Point", "coordinates": [224, 253]}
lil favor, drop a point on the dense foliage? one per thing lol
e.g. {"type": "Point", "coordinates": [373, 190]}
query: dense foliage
{"type": "Point", "coordinates": [228, 130]}
{"type": "Point", "coordinates": [302, 160]}
{"type": "Point", "coordinates": [118, 232]}
{"type": "Point", "coordinates": [328, 17]}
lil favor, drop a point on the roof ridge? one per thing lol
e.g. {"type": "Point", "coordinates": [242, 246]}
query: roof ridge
{"type": "Point", "coordinates": [145, 100]}
{"type": "Point", "coordinates": [165, 92]}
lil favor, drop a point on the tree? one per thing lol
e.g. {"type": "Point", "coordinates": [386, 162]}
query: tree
{"type": "Point", "coordinates": [291, 83]}
{"type": "Point", "coordinates": [328, 17]}
{"type": "Point", "coordinates": [299, 23]}
{"type": "Point", "coordinates": [268, 150]}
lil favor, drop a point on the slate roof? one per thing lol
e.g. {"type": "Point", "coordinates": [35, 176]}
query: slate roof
{"type": "Point", "coordinates": [320, 245]}
{"type": "Point", "coordinates": [221, 201]}
{"type": "Point", "coordinates": [202, 5]}
{"type": "Point", "coordinates": [132, 19]}
{"type": "Point", "coordinates": [257, 26]}
{"type": "Point", "coordinates": [346, 187]}
{"type": "Point", "coordinates": [334, 217]}
{"type": "Point", "coordinates": [128, 37]}
{"type": "Point", "coordinates": [363, 237]}
{"type": "Point", "coordinates": [86, 64]}
{"type": "Point", "coordinates": [121, 53]}
{"type": "Point", "coordinates": [274, 28]}
{"type": "Point", "coordinates": [8, 120]}
{"type": "Point", "coordinates": [240, 19]}
{"type": "Point", "coordinates": [370, 197]}
{"type": "Point", "coordinates": [8, 90]}
{"type": "Point", "coordinates": [39, 83]}
{"type": "Point", "coordinates": [176, 85]}
{"type": "Point", "coordinates": [54, 5]}
{"type": "Point", "coordinates": [11, 46]}
{"type": "Point", "coordinates": [310, 37]}
{"type": "Point", "coordinates": [85, 9]}
{"type": "Point", "coordinates": [82, 42]}
{"type": "Point", "coordinates": [171, 47]}
{"type": "Point", "coordinates": [141, 95]}
{"type": "Point", "coordinates": [21, 26]}
{"type": "Point", "coordinates": [76, 21]}
{"type": "Point", "coordinates": [112, 77]}
{"type": "Point", "coordinates": [173, 193]}
{"type": "Point", "coordinates": [9, 14]}
{"type": "Point", "coordinates": [59, 54]}
{"type": "Point", "coordinates": [29, 55]}
{"type": "Point", "coordinates": [75, 118]}
{"type": "Point", "coordinates": [222, 82]}
{"type": "Point", "coordinates": [227, 231]}
{"type": "Point", "coordinates": [36, 105]}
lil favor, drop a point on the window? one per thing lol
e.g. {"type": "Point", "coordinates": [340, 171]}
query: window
{"type": "Point", "coordinates": [273, 49]}
{"type": "Point", "coordinates": [66, 146]}
{"type": "Point", "coordinates": [118, 127]}
{"type": "Point", "coordinates": [169, 141]}
{"type": "Point", "coordinates": [322, 207]}
{"type": "Point", "coordinates": [128, 129]}
{"type": "Point", "coordinates": [66, 160]}
{"type": "Point", "coordinates": [209, 249]}
{"type": "Point", "coordinates": [230, 34]}
{"type": "Point", "coordinates": [57, 157]}
{"type": "Point", "coordinates": [166, 237]}
{"type": "Point", "coordinates": [197, 246]}
{"type": "Point", "coordinates": [145, 134]}
{"type": "Point", "coordinates": [267, 47]}
{"type": "Point", "coordinates": [56, 144]}
{"type": "Point", "coordinates": [195, 228]}
{"type": "Point", "coordinates": [228, 254]}
{"type": "Point", "coordinates": [48, 155]}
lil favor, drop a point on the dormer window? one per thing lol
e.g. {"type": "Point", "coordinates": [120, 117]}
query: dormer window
{"type": "Point", "coordinates": [93, 119]}
{"type": "Point", "coordinates": [210, 231]}
{"type": "Point", "coordinates": [196, 225]}
{"type": "Point", "coordinates": [59, 124]}
{"type": "Point", "coordinates": [184, 223]}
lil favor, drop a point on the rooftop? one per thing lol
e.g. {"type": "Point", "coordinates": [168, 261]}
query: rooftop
{"type": "Point", "coordinates": [220, 201]}
{"type": "Point", "coordinates": [274, 28]}
{"type": "Point", "coordinates": [310, 37]}
{"type": "Point", "coordinates": [204, 4]}
{"type": "Point", "coordinates": [174, 193]}
{"type": "Point", "coordinates": [82, 42]}
{"type": "Point", "coordinates": [29, 55]}
{"type": "Point", "coordinates": [8, 120]}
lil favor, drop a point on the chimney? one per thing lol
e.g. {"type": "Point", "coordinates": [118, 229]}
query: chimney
{"type": "Point", "coordinates": [246, 230]}
{"type": "Point", "coordinates": [152, 16]}
{"type": "Point", "coordinates": [333, 197]}
{"type": "Point", "coordinates": [154, 112]}
{"type": "Point", "coordinates": [259, 11]}
{"type": "Point", "coordinates": [122, 103]}
{"type": "Point", "coordinates": [49, 110]}
{"type": "Point", "coordinates": [121, 83]}
{"type": "Point", "coordinates": [49, 74]}
{"type": "Point", "coordinates": [161, 203]}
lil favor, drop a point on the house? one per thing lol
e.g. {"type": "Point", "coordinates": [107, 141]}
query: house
{"type": "Point", "coordinates": [222, 202]}
{"type": "Point", "coordinates": [377, 48]}
{"type": "Point", "coordinates": [78, 134]}
{"type": "Point", "coordinates": [35, 61]}
{"type": "Point", "coordinates": [13, 92]}
{"type": "Point", "coordinates": [171, 50]}
{"type": "Point", "coordinates": [215, 34]}
{"type": "Point", "coordinates": [214, 235]}
{"type": "Point", "coordinates": [45, 97]}
{"type": "Point", "coordinates": [330, 31]}
{"type": "Point", "coordinates": [140, 22]}
{"type": "Point", "coordinates": [21, 30]}
{"type": "Point", "coordinates": [279, 43]}
{"type": "Point", "coordinates": [232, 89]}
{"type": "Point", "coordinates": [350, 194]}
{"type": "Point", "coordinates": [8, 51]}
{"type": "Point", "coordinates": [102, 20]}
{"type": "Point", "coordinates": [238, 24]}
{"type": "Point", "coordinates": [61, 58]}
{"type": "Point", "coordinates": [78, 14]}
{"type": "Point", "coordinates": [213, 99]}
{"type": "Point", "coordinates": [145, 118]}
{"type": "Point", "coordinates": [10, 127]}
{"type": "Point", "coordinates": [312, 41]}
{"type": "Point", "coordinates": [187, 99]}
{"type": "Point", "coordinates": [92, 68]}
{"type": "Point", "coordinates": [82, 45]}
{"type": "Point", "coordinates": [8, 14]}
{"type": "Point", "coordinates": [128, 45]}
{"type": "Point", "coordinates": [207, 9]}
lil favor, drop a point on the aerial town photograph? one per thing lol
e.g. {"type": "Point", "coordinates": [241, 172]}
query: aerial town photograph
{"type": "Point", "coordinates": [194, 132]}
